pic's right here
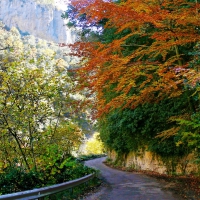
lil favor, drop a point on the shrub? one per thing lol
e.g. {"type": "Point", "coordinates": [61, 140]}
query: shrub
{"type": "Point", "coordinates": [15, 178]}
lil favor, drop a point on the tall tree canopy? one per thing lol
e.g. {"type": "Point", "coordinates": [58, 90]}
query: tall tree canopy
{"type": "Point", "coordinates": [145, 52]}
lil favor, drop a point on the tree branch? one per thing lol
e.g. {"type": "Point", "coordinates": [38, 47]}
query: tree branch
{"type": "Point", "coordinates": [133, 45]}
{"type": "Point", "coordinates": [4, 48]}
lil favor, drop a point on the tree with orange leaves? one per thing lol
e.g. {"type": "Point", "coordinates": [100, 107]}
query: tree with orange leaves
{"type": "Point", "coordinates": [140, 63]}
{"type": "Point", "coordinates": [157, 35]}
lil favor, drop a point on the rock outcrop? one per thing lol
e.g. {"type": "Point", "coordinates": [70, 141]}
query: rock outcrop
{"type": "Point", "coordinates": [43, 21]}
{"type": "Point", "coordinates": [148, 161]}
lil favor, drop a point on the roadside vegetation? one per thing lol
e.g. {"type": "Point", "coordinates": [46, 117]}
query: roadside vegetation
{"type": "Point", "coordinates": [140, 68]}
{"type": "Point", "coordinates": [39, 130]}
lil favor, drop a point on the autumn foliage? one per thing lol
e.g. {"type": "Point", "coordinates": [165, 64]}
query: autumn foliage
{"type": "Point", "coordinates": [148, 58]}
{"type": "Point", "coordinates": [140, 66]}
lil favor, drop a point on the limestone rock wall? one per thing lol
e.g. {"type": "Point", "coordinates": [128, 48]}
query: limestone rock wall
{"type": "Point", "coordinates": [148, 161]}
{"type": "Point", "coordinates": [43, 21]}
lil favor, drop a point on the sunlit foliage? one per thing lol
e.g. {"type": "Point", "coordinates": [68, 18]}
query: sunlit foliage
{"type": "Point", "coordinates": [144, 56]}
{"type": "Point", "coordinates": [35, 95]}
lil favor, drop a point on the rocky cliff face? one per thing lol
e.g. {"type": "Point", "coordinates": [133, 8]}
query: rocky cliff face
{"type": "Point", "coordinates": [146, 160]}
{"type": "Point", "coordinates": [43, 21]}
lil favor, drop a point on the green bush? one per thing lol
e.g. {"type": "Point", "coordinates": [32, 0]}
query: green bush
{"type": "Point", "coordinates": [89, 157]}
{"type": "Point", "coordinates": [15, 178]}
{"type": "Point", "coordinates": [126, 130]}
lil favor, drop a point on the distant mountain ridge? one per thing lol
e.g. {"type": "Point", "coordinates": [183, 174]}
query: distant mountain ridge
{"type": "Point", "coordinates": [43, 21]}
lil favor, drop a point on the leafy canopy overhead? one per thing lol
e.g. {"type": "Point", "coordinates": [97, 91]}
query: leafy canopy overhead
{"type": "Point", "coordinates": [140, 66]}
{"type": "Point", "coordinates": [146, 54]}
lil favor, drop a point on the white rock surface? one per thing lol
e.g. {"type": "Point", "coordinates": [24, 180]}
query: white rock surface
{"type": "Point", "coordinates": [43, 21]}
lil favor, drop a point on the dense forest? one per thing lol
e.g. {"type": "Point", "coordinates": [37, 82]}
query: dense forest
{"type": "Point", "coordinates": [40, 123]}
{"type": "Point", "coordinates": [140, 71]}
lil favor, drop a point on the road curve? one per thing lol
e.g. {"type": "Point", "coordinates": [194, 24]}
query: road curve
{"type": "Point", "coordinates": [122, 185]}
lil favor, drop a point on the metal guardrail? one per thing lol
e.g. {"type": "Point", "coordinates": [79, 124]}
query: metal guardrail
{"type": "Point", "coordinates": [46, 191]}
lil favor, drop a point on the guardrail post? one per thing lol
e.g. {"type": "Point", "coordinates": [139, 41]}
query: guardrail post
{"type": "Point", "coordinates": [71, 190]}
{"type": "Point", "coordinates": [86, 184]}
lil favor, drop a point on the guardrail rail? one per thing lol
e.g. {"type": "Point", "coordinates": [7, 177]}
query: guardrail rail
{"type": "Point", "coordinates": [46, 191]}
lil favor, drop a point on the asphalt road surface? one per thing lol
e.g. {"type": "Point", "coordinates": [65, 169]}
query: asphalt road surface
{"type": "Point", "coordinates": [121, 185]}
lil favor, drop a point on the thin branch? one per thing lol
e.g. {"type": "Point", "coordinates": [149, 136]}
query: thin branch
{"type": "Point", "coordinates": [133, 45]}
{"type": "Point", "coordinates": [4, 48]}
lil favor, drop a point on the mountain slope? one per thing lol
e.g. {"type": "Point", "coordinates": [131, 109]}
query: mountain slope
{"type": "Point", "coordinates": [43, 21]}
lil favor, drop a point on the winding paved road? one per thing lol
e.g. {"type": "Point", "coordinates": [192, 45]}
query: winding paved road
{"type": "Point", "coordinates": [120, 185]}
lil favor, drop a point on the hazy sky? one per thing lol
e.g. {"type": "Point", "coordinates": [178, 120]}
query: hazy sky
{"type": "Point", "coordinates": [62, 4]}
